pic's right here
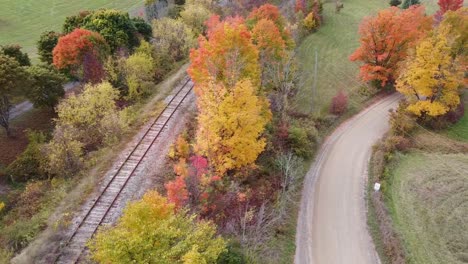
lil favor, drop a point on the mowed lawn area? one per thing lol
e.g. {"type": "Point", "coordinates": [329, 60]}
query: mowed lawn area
{"type": "Point", "coordinates": [428, 202]}
{"type": "Point", "coordinates": [22, 21]}
{"type": "Point", "coordinates": [334, 42]}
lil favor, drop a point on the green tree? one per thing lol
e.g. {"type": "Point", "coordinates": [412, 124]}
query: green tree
{"type": "Point", "coordinates": [46, 45]}
{"type": "Point", "coordinates": [394, 2]}
{"type": "Point", "coordinates": [46, 86]}
{"type": "Point", "coordinates": [115, 26]}
{"type": "Point", "coordinates": [13, 78]}
{"type": "Point", "coordinates": [408, 3]}
{"type": "Point", "coordinates": [15, 52]}
{"type": "Point", "coordinates": [195, 15]}
{"type": "Point", "coordinates": [151, 232]}
{"type": "Point", "coordinates": [143, 28]}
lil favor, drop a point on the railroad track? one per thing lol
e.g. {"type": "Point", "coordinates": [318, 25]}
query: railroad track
{"type": "Point", "coordinates": [75, 246]}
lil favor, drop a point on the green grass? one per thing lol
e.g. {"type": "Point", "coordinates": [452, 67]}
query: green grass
{"type": "Point", "coordinates": [459, 131]}
{"type": "Point", "coordinates": [334, 42]}
{"type": "Point", "coordinates": [429, 206]}
{"type": "Point", "coordinates": [22, 21]}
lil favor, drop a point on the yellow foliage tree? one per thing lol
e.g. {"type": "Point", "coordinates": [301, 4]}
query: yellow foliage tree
{"type": "Point", "coordinates": [150, 231]}
{"type": "Point", "coordinates": [231, 122]}
{"type": "Point", "coordinates": [310, 23]}
{"type": "Point", "coordinates": [432, 79]}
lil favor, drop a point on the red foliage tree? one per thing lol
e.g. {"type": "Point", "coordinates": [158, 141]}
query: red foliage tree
{"type": "Point", "coordinates": [385, 40]}
{"type": "Point", "coordinates": [447, 5]}
{"type": "Point", "coordinates": [81, 49]}
{"type": "Point", "coordinates": [301, 6]}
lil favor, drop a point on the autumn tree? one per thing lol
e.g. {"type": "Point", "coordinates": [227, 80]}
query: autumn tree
{"type": "Point", "coordinates": [13, 78]}
{"type": "Point", "coordinates": [227, 55]}
{"type": "Point", "coordinates": [272, 13]}
{"type": "Point", "coordinates": [46, 87]}
{"type": "Point", "coordinates": [173, 35]}
{"type": "Point", "coordinates": [195, 15]}
{"type": "Point", "coordinates": [150, 231]}
{"type": "Point", "coordinates": [15, 52]}
{"type": "Point", "coordinates": [231, 123]}
{"type": "Point", "coordinates": [139, 73]}
{"type": "Point", "coordinates": [431, 79]}
{"type": "Point", "coordinates": [385, 40]}
{"type": "Point", "coordinates": [447, 5]}
{"type": "Point", "coordinates": [93, 114]}
{"type": "Point", "coordinates": [455, 24]}
{"type": "Point", "coordinates": [46, 44]}
{"type": "Point", "coordinates": [82, 52]}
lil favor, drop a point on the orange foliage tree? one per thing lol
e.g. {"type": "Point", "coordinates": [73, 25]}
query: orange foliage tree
{"type": "Point", "coordinates": [447, 5]}
{"type": "Point", "coordinates": [81, 50]}
{"type": "Point", "coordinates": [385, 40]}
{"type": "Point", "coordinates": [226, 56]}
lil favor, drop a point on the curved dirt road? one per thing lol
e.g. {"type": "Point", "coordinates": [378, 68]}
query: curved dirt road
{"type": "Point", "coordinates": [332, 225]}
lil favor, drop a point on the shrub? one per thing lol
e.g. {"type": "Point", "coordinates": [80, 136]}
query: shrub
{"type": "Point", "coordinates": [28, 165]}
{"type": "Point", "coordinates": [339, 103]}
{"type": "Point", "coordinates": [302, 141]}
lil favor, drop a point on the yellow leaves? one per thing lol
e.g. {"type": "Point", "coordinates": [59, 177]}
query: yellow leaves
{"type": "Point", "coordinates": [2, 205]}
{"type": "Point", "coordinates": [231, 126]}
{"type": "Point", "coordinates": [310, 22]}
{"type": "Point", "coordinates": [431, 79]}
{"type": "Point", "coordinates": [150, 231]}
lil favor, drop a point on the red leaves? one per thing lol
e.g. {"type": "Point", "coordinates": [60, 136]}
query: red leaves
{"type": "Point", "coordinates": [339, 103]}
{"type": "Point", "coordinates": [81, 48]}
{"type": "Point", "coordinates": [447, 5]}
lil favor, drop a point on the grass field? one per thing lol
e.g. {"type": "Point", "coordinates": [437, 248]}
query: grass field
{"type": "Point", "coordinates": [428, 202]}
{"type": "Point", "coordinates": [334, 42]}
{"type": "Point", "coordinates": [22, 21]}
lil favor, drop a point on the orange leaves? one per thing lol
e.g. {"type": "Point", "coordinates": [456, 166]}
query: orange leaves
{"type": "Point", "coordinates": [385, 40]}
{"type": "Point", "coordinates": [268, 39]}
{"type": "Point", "coordinates": [71, 48]}
{"type": "Point", "coordinates": [227, 56]}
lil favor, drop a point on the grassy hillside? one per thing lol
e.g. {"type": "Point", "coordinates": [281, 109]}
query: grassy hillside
{"type": "Point", "coordinates": [334, 42]}
{"type": "Point", "coordinates": [429, 206]}
{"type": "Point", "coordinates": [22, 21]}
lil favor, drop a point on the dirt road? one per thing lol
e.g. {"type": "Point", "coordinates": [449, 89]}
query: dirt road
{"type": "Point", "coordinates": [332, 219]}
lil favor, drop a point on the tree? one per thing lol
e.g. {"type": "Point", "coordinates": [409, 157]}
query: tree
{"type": "Point", "coordinates": [227, 56]}
{"type": "Point", "coordinates": [175, 34]}
{"type": "Point", "coordinates": [385, 40]}
{"type": "Point", "coordinates": [267, 37]}
{"type": "Point", "coordinates": [46, 86]}
{"type": "Point", "coordinates": [408, 3]}
{"type": "Point", "coordinates": [431, 79]}
{"type": "Point", "coordinates": [82, 52]}
{"type": "Point", "coordinates": [447, 5]}
{"type": "Point", "coordinates": [114, 26]}
{"type": "Point", "coordinates": [73, 22]}
{"type": "Point", "coordinates": [13, 78]}
{"type": "Point", "coordinates": [143, 28]}
{"type": "Point", "coordinates": [46, 45]}
{"type": "Point", "coordinates": [395, 2]}
{"type": "Point", "coordinates": [455, 24]}
{"type": "Point", "coordinates": [270, 12]}
{"type": "Point", "coordinates": [231, 123]}
{"type": "Point", "coordinates": [139, 73]}
{"type": "Point", "coordinates": [15, 52]}
{"type": "Point", "coordinates": [149, 231]}
{"type": "Point", "coordinates": [195, 15]}
{"type": "Point", "coordinates": [93, 114]}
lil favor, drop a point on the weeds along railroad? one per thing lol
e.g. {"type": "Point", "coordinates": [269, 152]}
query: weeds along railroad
{"type": "Point", "coordinates": [74, 248]}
